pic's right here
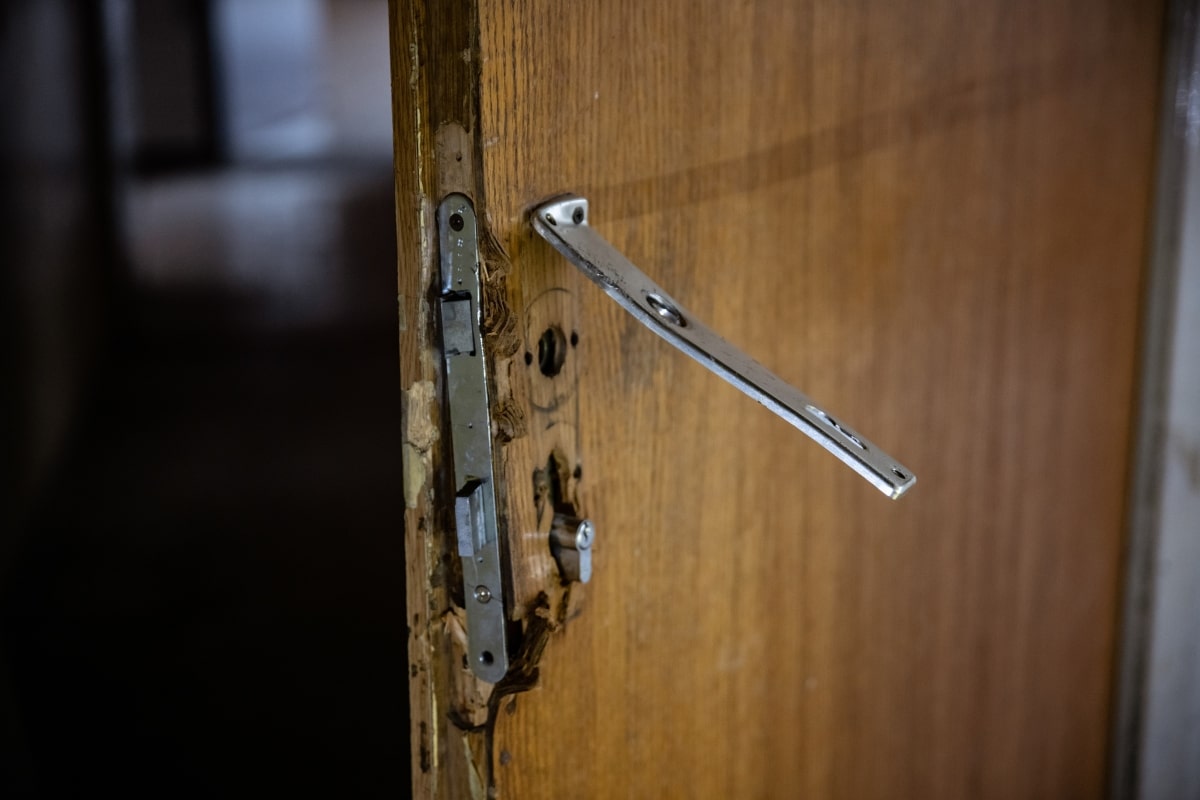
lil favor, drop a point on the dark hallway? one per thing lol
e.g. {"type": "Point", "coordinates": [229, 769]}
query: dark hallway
{"type": "Point", "coordinates": [204, 593]}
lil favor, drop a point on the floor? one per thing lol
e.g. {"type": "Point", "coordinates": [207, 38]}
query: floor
{"type": "Point", "coordinates": [211, 601]}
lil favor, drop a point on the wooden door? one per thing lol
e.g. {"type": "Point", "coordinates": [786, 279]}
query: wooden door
{"type": "Point", "coordinates": [931, 217]}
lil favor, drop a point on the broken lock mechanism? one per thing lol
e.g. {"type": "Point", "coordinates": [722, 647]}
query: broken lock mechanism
{"type": "Point", "coordinates": [470, 424]}
{"type": "Point", "coordinates": [571, 542]}
{"type": "Point", "coordinates": [563, 222]}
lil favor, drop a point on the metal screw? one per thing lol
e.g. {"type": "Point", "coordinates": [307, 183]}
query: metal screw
{"type": "Point", "coordinates": [577, 216]}
{"type": "Point", "coordinates": [483, 594]}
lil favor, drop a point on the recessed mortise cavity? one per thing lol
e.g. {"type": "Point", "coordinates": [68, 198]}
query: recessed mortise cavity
{"type": "Point", "coordinates": [572, 536]}
{"type": "Point", "coordinates": [571, 540]}
{"type": "Point", "coordinates": [552, 350]}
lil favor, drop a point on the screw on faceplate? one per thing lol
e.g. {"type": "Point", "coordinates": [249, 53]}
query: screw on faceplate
{"type": "Point", "coordinates": [483, 594]}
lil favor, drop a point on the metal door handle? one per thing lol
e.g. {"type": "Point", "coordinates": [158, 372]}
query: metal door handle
{"type": "Point", "coordinates": [563, 222]}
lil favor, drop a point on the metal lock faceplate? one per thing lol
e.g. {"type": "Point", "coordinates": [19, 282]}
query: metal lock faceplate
{"type": "Point", "coordinates": [475, 514]}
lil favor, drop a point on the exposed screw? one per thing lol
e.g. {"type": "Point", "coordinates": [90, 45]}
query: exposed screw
{"type": "Point", "coordinates": [577, 216]}
{"type": "Point", "coordinates": [483, 594]}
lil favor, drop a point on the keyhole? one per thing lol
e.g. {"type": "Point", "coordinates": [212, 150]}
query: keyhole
{"type": "Point", "coordinates": [552, 351]}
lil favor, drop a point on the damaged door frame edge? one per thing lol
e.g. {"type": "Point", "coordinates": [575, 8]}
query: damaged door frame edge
{"type": "Point", "coordinates": [435, 68]}
{"type": "Point", "coordinates": [434, 104]}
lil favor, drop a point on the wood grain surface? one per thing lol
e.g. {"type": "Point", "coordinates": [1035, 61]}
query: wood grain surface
{"type": "Point", "coordinates": [930, 217]}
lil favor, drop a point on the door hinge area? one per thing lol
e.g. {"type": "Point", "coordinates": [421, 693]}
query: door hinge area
{"type": "Point", "coordinates": [470, 426]}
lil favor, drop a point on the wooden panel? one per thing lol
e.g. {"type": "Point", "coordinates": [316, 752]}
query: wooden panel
{"type": "Point", "coordinates": [930, 218]}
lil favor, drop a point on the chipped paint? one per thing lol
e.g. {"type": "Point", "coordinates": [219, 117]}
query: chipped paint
{"type": "Point", "coordinates": [420, 431]}
{"type": "Point", "coordinates": [428, 366]}
{"type": "Point", "coordinates": [415, 473]}
{"type": "Point", "coordinates": [478, 792]}
{"type": "Point", "coordinates": [469, 701]}
{"type": "Point", "coordinates": [420, 434]}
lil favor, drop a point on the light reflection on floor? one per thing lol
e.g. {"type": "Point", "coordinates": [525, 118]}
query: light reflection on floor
{"type": "Point", "coordinates": [286, 237]}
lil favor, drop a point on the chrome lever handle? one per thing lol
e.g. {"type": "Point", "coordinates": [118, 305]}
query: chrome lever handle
{"type": "Point", "coordinates": [563, 222]}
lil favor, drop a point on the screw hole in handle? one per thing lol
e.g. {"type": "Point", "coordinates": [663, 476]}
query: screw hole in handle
{"type": "Point", "coordinates": [666, 310]}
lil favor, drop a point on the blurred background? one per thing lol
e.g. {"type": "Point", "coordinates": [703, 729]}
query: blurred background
{"type": "Point", "coordinates": [201, 566]}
